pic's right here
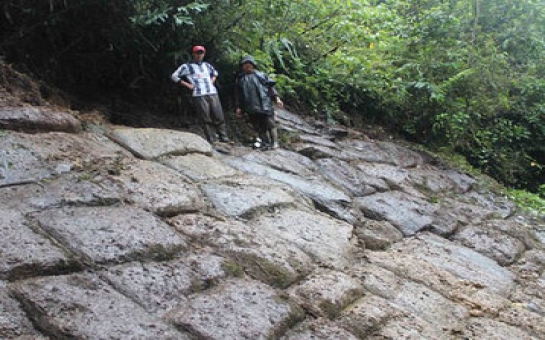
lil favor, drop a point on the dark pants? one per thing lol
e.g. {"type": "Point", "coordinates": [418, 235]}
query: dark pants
{"type": "Point", "coordinates": [262, 124]}
{"type": "Point", "coordinates": [210, 113]}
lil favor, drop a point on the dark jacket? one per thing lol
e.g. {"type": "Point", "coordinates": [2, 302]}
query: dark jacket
{"type": "Point", "coordinates": [255, 93]}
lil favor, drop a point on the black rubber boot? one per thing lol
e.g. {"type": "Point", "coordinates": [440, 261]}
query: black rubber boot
{"type": "Point", "coordinates": [210, 136]}
{"type": "Point", "coordinates": [274, 138]}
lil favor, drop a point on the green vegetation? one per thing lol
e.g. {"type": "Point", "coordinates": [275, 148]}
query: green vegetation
{"type": "Point", "coordinates": [467, 75]}
{"type": "Point", "coordinates": [529, 201]}
{"type": "Point", "coordinates": [232, 268]}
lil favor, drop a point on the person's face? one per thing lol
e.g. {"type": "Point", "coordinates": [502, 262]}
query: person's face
{"type": "Point", "coordinates": [198, 55]}
{"type": "Point", "coordinates": [248, 68]}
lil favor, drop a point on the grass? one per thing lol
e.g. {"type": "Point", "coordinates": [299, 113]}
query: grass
{"type": "Point", "coordinates": [528, 201]}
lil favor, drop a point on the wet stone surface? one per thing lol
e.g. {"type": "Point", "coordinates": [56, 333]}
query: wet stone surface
{"type": "Point", "coordinates": [154, 143]}
{"type": "Point", "coordinates": [157, 188]}
{"type": "Point", "coordinates": [368, 314]}
{"type": "Point", "coordinates": [246, 195]}
{"type": "Point", "coordinates": [326, 240]}
{"type": "Point", "coordinates": [199, 167]}
{"type": "Point", "coordinates": [491, 243]}
{"type": "Point", "coordinates": [123, 233]}
{"type": "Point", "coordinates": [88, 308]}
{"type": "Point", "coordinates": [377, 235]}
{"type": "Point", "coordinates": [13, 321]}
{"type": "Point", "coordinates": [349, 178]}
{"type": "Point", "coordinates": [24, 252]}
{"type": "Point", "coordinates": [319, 329]}
{"type": "Point", "coordinates": [34, 119]}
{"type": "Point", "coordinates": [263, 255]}
{"type": "Point", "coordinates": [111, 234]}
{"type": "Point", "coordinates": [237, 310]}
{"type": "Point", "coordinates": [326, 294]}
{"type": "Point", "coordinates": [160, 287]}
{"type": "Point", "coordinates": [460, 261]}
{"type": "Point", "coordinates": [408, 213]}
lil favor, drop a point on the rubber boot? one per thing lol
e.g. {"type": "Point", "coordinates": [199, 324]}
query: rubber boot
{"type": "Point", "coordinates": [222, 132]}
{"type": "Point", "coordinates": [210, 136]}
{"type": "Point", "coordinates": [274, 138]}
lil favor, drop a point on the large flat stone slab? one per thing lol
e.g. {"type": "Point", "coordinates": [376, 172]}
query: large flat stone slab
{"type": "Point", "coordinates": [34, 157]}
{"type": "Point", "coordinates": [81, 306]}
{"type": "Point", "coordinates": [24, 253]}
{"type": "Point", "coordinates": [161, 286]}
{"type": "Point", "coordinates": [382, 152]}
{"type": "Point", "coordinates": [320, 151]}
{"type": "Point", "coordinates": [377, 235]}
{"type": "Point", "coordinates": [158, 188]}
{"type": "Point", "coordinates": [524, 232]}
{"type": "Point", "coordinates": [149, 185]}
{"type": "Point", "coordinates": [415, 299]}
{"type": "Point", "coordinates": [326, 293]}
{"type": "Point", "coordinates": [20, 197]}
{"type": "Point", "coordinates": [453, 213]}
{"type": "Point", "coordinates": [111, 234]}
{"type": "Point", "coordinates": [292, 122]}
{"type": "Point", "coordinates": [488, 329]}
{"type": "Point", "coordinates": [256, 251]}
{"type": "Point", "coordinates": [72, 189]}
{"type": "Point", "coordinates": [14, 324]}
{"type": "Point", "coordinates": [431, 306]}
{"type": "Point", "coordinates": [367, 315]}
{"type": "Point", "coordinates": [460, 261]}
{"type": "Point", "coordinates": [152, 143]}
{"type": "Point", "coordinates": [501, 205]}
{"type": "Point", "coordinates": [246, 195]}
{"type": "Point", "coordinates": [409, 327]}
{"type": "Point", "coordinates": [433, 181]}
{"type": "Point", "coordinates": [525, 317]}
{"type": "Point", "coordinates": [491, 242]}
{"type": "Point", "coordinates": [286, 161]}
{"type": "Point", "coordinates": [237, 310]}
{"type": "Point", "coordinates": [319, 329]}
{"type": "Point", "coordinates": [37, 119]}
{"type": "Point", "coordinates": [199, 167]}
{"type": "Point", "coordinates": [157, 287]}
{"type": "Point", "coordinates": [351, 179]}
{"type": "Point", "coordinates": [394, 176]}
{"type": "Point", "coordinates": [408, 213]}
{"type": "Point", "coordinates": [401, 155]}
{"type": "Point", "coordinates": [325, 239]}
{"type": "Point", "coordinates": [389, 272]}
{"type": "Point", "coordinates": [318, 140]}
{"type": "Point", "coordinates": [326, 197]}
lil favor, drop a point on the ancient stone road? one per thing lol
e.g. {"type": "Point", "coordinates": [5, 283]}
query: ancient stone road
{"type": "Point", "coordinates": [127, 233]}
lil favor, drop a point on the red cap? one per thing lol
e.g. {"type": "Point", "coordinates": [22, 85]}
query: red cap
{"type": "Point", "coordinates": [198, 48]}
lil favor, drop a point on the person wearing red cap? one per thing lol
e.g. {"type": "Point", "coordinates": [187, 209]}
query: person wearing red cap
{"type": "Point", "coordinates": [199, 77]}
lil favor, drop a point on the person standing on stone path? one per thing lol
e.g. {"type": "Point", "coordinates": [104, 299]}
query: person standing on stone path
{"type": "Point", "coordinates": [255, 95]}
{"type": "Point", "coordinates": [199, 77]}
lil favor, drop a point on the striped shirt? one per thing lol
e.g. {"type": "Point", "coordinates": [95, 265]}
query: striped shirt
{"type": "Point", "coordinates": [198, 74]}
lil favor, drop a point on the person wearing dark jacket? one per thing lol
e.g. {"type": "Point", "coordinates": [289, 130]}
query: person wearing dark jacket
{"type": "Point", "coordinates": [255, 95]}
{"type": "Point", "coordinates": [198, 76]}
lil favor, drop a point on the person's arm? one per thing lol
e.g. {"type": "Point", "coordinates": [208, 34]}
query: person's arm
{"type": "Point", "coordinates": [213, 73]}
{"type": "Point", "coordinates": [275, 97]}
{"type": "Point", "coordinates": [180, 77]}
{"type": "Point", "coordinates": [271, 90]}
